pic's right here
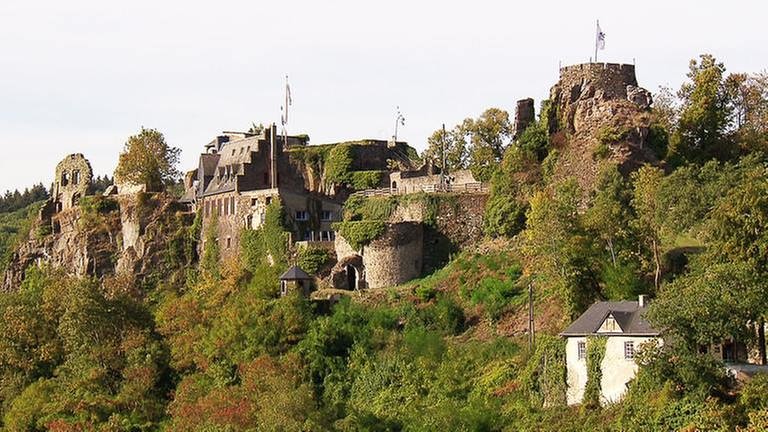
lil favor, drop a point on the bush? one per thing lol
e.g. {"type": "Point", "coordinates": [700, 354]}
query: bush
{"type": "Point", "coordinates": [360, 233]}
{"type": "Point", "coordinates": [313, 259]}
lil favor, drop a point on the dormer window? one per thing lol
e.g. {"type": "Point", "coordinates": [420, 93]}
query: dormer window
{"type": "Point", "coordinates": [610, 325]}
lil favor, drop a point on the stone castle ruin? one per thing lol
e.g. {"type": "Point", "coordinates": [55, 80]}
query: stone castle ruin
{"type": "Point", "coordinates": [72, 181]}
{"type": "Point", "coordinates": [239, 174]}
{"type": "Point", "coordinates": [599, 111]}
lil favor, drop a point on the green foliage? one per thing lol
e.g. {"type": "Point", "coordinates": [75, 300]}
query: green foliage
{"type": "Point", "coordinates": [361, 180]}
{"type": "Point", "coordinates": [496, 294]}
{"type": "Point", "coordinates": [10, 202]}
{"type": "Point", "coordinates": [313, 259]}
{"type": "Point", "coordinates": [339, 163]}
{"type": "Point", "coordinates": [704, 116]}
{"type": "Point", "coordinates": [535, 140]}
{"type": "Point", "coordinates": [360, 233]}
{"type": "Point", "coordinates": [209, 263]}
{"type": "Point", "coordinates": [267, 245]}
{"type": "Point", "coordinates": [595, 355]}
{"type": "Point", "coordinates": [147, 160]}
{"type": "Point", "coordinates": [15, 228]}
{"type": "Point", "coordinates": [544, 376]}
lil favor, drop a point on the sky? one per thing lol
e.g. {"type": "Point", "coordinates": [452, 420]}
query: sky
{"type": "Point", "coordinates": [81, 76]}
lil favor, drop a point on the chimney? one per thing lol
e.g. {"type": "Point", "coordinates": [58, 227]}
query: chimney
{"type": "Point", "coordinates": [642, 301]}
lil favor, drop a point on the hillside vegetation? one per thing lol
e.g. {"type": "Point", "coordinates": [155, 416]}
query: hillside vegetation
{"type": "Point", "coordinates": [212, 347]}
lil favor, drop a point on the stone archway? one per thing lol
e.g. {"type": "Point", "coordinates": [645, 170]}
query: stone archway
{"type": "Point", "coordinates": [352, 277]}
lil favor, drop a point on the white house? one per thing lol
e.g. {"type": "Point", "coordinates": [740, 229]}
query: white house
{"type": "Point", "coordinates": [625, 329]}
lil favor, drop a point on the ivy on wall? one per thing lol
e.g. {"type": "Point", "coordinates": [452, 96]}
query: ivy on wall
{"type": "Point", "coordinates": [595, 356]}
{"type": "Point", "coordinates": [269, 243]}
{"type": "Point", "coordinates": [544, 377]}
{"type": "Point", "coordinates": [360, 233]}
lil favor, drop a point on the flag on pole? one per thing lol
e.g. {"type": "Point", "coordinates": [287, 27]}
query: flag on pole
{"type": "Point", "coordinates": [288, 101]}
{"type": "Point", "coordinates": [599, 38]}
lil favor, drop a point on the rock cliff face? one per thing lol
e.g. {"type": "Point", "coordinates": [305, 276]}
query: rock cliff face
{"type": "Point", "coordinates": [72, 240]}
{"type": "Point", "coordinates": [599, 114]}
{"type": "Point", "coordinates": [131, 234]}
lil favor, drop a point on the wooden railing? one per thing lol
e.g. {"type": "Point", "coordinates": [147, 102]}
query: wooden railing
{"type": "Point", "coordinates": [431, 188]}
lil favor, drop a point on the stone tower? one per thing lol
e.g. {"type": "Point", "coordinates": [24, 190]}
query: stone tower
{"type": "Point", "coordinates": [72, 181]}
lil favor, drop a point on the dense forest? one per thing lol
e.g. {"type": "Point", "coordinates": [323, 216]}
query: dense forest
{"type": "Point", "coordinates": [213, 347]}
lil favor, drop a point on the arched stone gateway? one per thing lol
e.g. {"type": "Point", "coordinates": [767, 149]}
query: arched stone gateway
{"type": "Point", "coordinates": [349, 274]}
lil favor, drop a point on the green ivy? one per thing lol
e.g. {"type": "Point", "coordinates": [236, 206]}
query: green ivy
{"type": "Point", "coordinates": [339, 164]}
{"type": "Point", "coordinates": [595, 355]}
{"type": "Point", "coordinates": [544, 377]}
{"type": "Point", "coordinates": [361, 180]}
{"type": "Point", "coordinates": [270, 240]}
{"type": "Point", "coordinates": [360, 233]}
{"type": "Point", "coordinates": [313, 259]}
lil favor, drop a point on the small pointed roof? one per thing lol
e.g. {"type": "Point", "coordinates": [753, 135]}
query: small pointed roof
{"type": "Point", "coordinates": [295, 273]}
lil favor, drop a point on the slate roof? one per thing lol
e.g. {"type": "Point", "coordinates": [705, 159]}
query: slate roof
{"type": "Point", "coordinates": [628, 315]}
{"type": "Point", "coordinates": [295, 273]}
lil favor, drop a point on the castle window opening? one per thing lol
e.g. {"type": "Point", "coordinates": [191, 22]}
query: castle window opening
{"type": "Point", "coordinates": [232, 204]}
{"type": "Point", "coordinates": [326, 215]}
{"type": "Point", "coordinates": [233, 152]}
{"type": "Point", "coordinates": [394, 185]}
{"type": "Point", "coordinates": [269, 200]}
{"type": "Point", "coordinates": [229, 242]}
{"type": "Point", "coordinates": [254, 202]}
{"type": "Point", "coordinates": [75, 177]}
{"type": "Point", "coordinates": [64, 178]}
{"type": "Point", "coordinates": [302, 215]}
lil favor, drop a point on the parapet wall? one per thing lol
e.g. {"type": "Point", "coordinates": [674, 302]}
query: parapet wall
{"type": "Point", "coordinates": [611, 78]}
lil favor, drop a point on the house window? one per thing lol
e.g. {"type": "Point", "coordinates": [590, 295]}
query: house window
{"type": "Point", "coordinates": [581, 347]}
{"type": "Point", "coordinates": [302, 215]}
{"type": "Point", "coordinates": [326, 235]}
{"type": "Point", "coordinates": [629, 350]}
{"type": "Point", "coordinates": [326, 215]}
{"type": "Point", "coordinates": [232, 205]}
{"type": "Point", "coordinates": [307, 235]}
{"type": "Point", "coordinates": [254, 202]}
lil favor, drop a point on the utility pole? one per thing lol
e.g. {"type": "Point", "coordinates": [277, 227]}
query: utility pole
{"type": "Point", "coordinates": [531, 329]}
{"type": "Point", "coordinates": [442, 165]}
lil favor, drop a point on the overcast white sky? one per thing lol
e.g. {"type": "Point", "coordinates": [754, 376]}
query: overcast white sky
{"type": "Point", "coordinates": [80, 76]}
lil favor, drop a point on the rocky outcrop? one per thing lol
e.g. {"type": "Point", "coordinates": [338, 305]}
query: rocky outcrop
{"type": "Point", "coordinates": [81, 242]}
{"type": "Point", "coordinates": [598, 114]}
{"type": "Point", "coordinates": [135, 235]}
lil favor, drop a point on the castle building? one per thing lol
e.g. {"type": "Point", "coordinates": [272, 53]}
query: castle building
{"type": "Point", "coordinates": [240, 174]}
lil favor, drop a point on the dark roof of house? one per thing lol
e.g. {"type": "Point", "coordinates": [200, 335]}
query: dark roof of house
{"type": "Point", "coordinates": [628, 314]}
{"type": "Point", "coordinates": [295, 273]}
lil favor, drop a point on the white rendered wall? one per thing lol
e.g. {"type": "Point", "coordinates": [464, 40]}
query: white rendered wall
{"type": "Point", "coordinates": [617, 371]}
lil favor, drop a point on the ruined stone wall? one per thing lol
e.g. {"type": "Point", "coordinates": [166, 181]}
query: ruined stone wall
{"type": "Point", "coordinates": [525, 114]}
{"type": "Point", "coordinates": [72, 181]}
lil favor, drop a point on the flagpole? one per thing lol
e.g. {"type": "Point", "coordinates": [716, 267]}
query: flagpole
{"type": "Point", "coordinates": [597, 35]}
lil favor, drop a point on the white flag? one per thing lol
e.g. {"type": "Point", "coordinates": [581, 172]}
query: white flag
{"type": "Point", "coordinates": [600, 38]}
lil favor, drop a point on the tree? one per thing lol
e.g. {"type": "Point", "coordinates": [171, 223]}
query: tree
{"type": "Point", "coordinates": [609, 214]}
{"type": "Point", "coordinates": [649, 216]}
{"type": "Point", "coordinates": [555, 238]}
{"type": "Point", "coordinates": [489, 135]}
{"type": "Point", "coordinates": [148, 160]}
{"type": "Point", "coordinates": [705, 114]}
{"type": "Point", "coordinates": [451, 144]}
{"type": "Point", "coordinates": [748, 98]}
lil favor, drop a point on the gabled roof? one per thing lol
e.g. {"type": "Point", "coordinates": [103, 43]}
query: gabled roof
{"type": "Point", "coordinates": [628, 314]}
{"type": "Point", "coordinates": [295, 273]}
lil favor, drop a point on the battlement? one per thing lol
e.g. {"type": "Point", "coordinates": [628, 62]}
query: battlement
{"type": "Point", "coordinates": [611, 79]}
{"type": "Point", "coordinates": [598, 68]}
